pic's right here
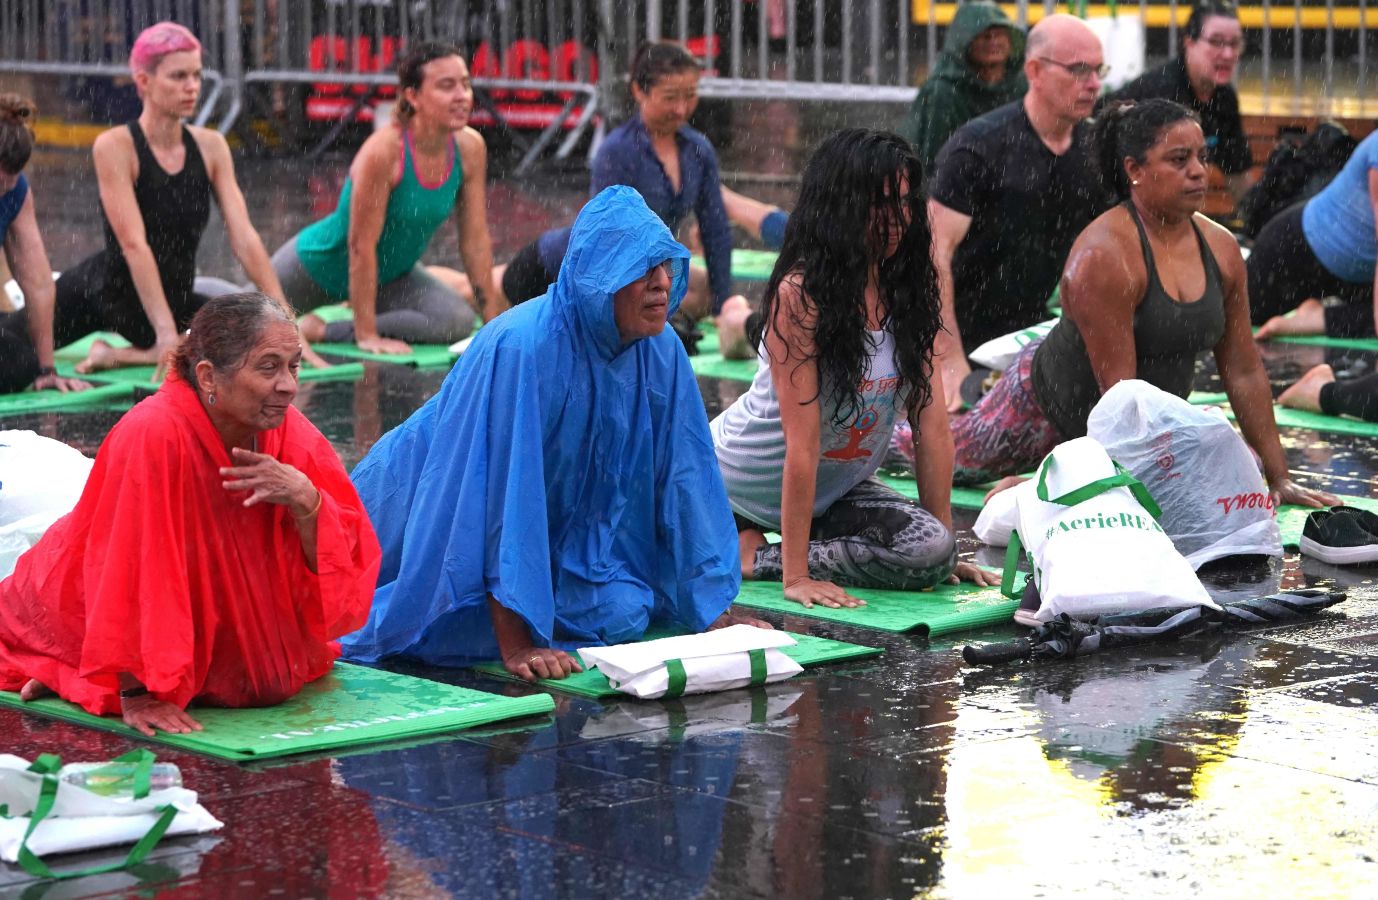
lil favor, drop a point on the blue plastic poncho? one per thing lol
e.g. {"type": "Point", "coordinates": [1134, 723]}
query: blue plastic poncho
{"type": "Point", "coordinates": [570, 476]}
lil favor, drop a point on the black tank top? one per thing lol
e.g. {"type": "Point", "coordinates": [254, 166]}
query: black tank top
{"type": "Point", "coordinates": [175, 209]}
{"type": "Point", "coordinates": [1168, 337]}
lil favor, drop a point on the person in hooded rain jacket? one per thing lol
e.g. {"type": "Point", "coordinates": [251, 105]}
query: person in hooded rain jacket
{"type": "Point", "coordinates": [981, 68]}
{"type": "Point", "coordinates": [561, 489]}
{"type": "Point", "coordinates": [216, 553]}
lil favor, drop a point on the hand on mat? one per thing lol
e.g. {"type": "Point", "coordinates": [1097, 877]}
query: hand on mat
{"type": "Point", "coordinates": [806, 592]}
{"type": "Point", "coordinates": [1004, 484]}
{"type": "Point", "coordinates": [377, 344]}
{"type": "Point", "coordinates": [970, 572]}
{"type": "Point", "coordinates": [955, 370]}
{"type": "Point", "coordinates": [311, 357]}
{"type": "Point", "coordinates": [271, 482]}
{"type": "Point", "coordinates": [65, 385]}
{"type": "Point", "coordinates": [1287, 492]}
{"type": "Point", "coordinates": [145, 714]}
{"type": "Point", "coordinates": [530, 663]}
{"type": "Point", "coordinates": [727, 620]}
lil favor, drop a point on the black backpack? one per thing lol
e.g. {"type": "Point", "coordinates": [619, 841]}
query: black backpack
{"type": "Point", "coordinates": [1297, 169]}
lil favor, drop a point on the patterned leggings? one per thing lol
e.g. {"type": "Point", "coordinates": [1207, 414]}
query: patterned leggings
{"type": "Point", "coordinates": [1007, 432]}
{"type": "Point", "coordinates": [871, 538]}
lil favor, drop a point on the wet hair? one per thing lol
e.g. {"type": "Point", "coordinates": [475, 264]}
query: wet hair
{"type": "Point", "coordinates": [411, 72]}
{"type": "Point", "coordinates": [158, 41]}
{"type": "Point", "coordinates": [1128, 129]}
{"type": "Point", "coordinates": [16, 132]}
{"type": "Point", "coordinates": [655, 60]}
{"type": "Point", "coordinates": [850, 189]}
{"type": "Point", "coordinates": [225, 330]}
{"type": "Point", "coordinates": [1200, 12]}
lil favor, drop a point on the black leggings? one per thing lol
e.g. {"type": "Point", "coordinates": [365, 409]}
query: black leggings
{"type": "Point", "coordinates": [871, 538]}
{"type": "Point", "coordinates": [1283, 271]}
{"type": "Point", "coordinates": [526, 276]}
{"type": "Point", "coordinates": [1356, 397]}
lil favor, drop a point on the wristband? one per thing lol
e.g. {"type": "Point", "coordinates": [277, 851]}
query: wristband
{"type": "Point", "coordinates": [319, 497]}
{"type": "Point", "coordinates": [46, 370]}
{"type": "Point", "coordinates": [130, 693]}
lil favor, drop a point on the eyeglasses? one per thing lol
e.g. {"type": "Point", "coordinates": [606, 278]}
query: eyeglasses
{"type": "Point", "coordinates": [1219, 43]}
{"type": "Point", "coordinates": [1080, 71]}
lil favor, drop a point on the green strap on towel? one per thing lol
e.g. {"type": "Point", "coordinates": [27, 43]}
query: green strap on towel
{"type": "Point", "coordinates": [47, 766]}
{"type": "Point", "coordinates": [674, 668]}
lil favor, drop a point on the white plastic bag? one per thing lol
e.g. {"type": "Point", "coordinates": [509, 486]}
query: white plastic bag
{"type": "Point", "coordinates": [1090, 530]}
{"type": "Point", "coordinates": [40, 481]}
{"type": "Point", "coordinates": [998, 353]}
{"type": "Point", "coordinates": [71, 818]}
{"type": "Point", "coordinates": [999, 517]}
{"type": "Point", "coordinates": [1197, 467]}
{"type": "Point", "coordinates": [695, 663]}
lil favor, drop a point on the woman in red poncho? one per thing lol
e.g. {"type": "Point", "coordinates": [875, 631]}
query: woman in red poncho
{"type": "Point", "coordinates": [216, 552]}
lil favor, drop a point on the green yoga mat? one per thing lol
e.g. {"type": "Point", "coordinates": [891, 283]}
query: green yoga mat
{"type": "Point", "coordinates": [1298, 418]}
{"type": "Point", "coordinates": [1291, 519]}
{"type": "Point", "coordinates": [948, 607]}
{"type": "Point", "coordinates": [749, 265]}
{"type": "Point", "coordinates": [54, 400]}
{"type": "Point", "coordinates": [350, 706]}
{"type": "Point", "coordinates": [1320, 340]}
{"type": "Point", "coordinates": [423, 356]}
{"type": "Point", "coordinates": [810, 651]}
{"type": "Point", "coordinates": [142, 376]}
{"type": "Point", "coordinates": [962, 497]}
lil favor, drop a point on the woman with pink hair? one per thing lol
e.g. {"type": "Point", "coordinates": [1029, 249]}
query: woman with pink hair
{"type": "Point", "coordinates": [156, 177]}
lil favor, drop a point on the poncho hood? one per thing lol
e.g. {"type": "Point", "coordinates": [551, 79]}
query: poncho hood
{"type": "Point", "coordinates": [968, 22]}
{"type": "Point", "coordinates": [615, 241]}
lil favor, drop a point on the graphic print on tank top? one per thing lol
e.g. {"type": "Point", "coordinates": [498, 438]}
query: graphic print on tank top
{"type": "Point", "coordinates": [861, 439]}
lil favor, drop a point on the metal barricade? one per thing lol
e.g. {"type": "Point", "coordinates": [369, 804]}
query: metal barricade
{"type": "Point", "coordinates": [534, 51]}
{"type": "Point", "coordinates": [93, 38]}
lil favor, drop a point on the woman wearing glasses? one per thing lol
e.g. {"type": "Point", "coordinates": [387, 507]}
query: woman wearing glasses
{"type": "Point", "coordinates": [1200, 79]}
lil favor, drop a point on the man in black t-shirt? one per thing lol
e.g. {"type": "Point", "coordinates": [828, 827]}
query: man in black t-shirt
{"type": "Point", "coordinates": [1200, 79]}
{"type": "Point", "coordinates": [1011, 191]}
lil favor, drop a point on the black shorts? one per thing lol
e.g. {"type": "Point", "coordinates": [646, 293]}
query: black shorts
{"type": "Point", "coordinates": [526, 276]}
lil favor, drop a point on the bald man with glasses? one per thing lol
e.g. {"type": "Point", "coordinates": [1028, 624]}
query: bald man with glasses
{"type": "Point", "coordinates": [1010, 192]}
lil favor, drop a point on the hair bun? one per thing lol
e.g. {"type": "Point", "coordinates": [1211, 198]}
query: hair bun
{"type": "Point", "coordinates": [20, 109]}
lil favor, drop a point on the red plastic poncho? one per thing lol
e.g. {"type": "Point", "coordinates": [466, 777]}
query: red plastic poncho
{"type": "Point", "coordinates": [161, 572]}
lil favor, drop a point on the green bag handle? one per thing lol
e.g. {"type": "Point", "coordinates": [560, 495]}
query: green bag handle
{"type": "Point", "coordinates": [674, 668]}
{"type": "Point", "coordinates": [47, 765]}
{"type": "Point", "coordinates": [1012, 554]}
{"type": "Point", "coordinates": [1121, 478]}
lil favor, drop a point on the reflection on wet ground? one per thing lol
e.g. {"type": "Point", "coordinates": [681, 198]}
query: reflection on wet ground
{"type": "Point", "coordinates": [1222, 768]}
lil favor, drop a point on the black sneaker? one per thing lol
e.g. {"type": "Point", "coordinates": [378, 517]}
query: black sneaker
{"type": "Point", "coordinates": [1341, 536]}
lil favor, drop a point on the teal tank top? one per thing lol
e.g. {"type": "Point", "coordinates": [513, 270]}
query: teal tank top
{"type": "Point", "coordinates": [415, 211]}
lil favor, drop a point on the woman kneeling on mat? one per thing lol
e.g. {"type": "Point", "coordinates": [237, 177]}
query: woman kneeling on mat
{"type": "Point", "coordinates": [156, 178]}
{"type": "Point", "coordinates": [404, 182]}
{"type": "Point", "coordinates": [26, 338]}
{"type": "Point", "coordinates": [1124, 312]}
{"type": "Point", "coordinates": [560, 490]}
{"type": "Point", "coordinates": [216, 553]}
{"type": "Point", "coordinates": [849, 317]}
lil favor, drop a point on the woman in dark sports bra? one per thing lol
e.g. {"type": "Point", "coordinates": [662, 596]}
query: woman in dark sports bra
{"type": "Point", "coordinates": [156, 178]}
{"type": "Point", "coordinates": [1126, 312]}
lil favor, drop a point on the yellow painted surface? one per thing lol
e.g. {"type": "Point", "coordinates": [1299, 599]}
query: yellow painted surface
{"type": "Point", "coordinates": [1156, 16]}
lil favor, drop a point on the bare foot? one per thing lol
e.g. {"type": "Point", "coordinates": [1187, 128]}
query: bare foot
{"type": "Point", "coordinates": [99, 358]}
{"type": "Point", "coordinates": [1308, 318]}
{"type": "Point", "coordinates": [312, 328]}
{"type": "Point", "coordinates": [1306, 393]}
{"type": "Point", "coordinates": [748, 542]}
{"type": "Point", "coordinates": [34, 689]}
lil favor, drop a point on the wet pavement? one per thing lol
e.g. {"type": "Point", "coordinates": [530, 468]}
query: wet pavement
{"type": "Point", "coordinates": [1222, 768]}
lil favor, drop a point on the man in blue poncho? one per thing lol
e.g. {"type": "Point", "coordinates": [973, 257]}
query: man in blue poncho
{"type": "Point", "coordinates": [561, 490]}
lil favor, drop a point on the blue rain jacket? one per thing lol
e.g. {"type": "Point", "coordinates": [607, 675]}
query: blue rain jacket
{"type": "Point", "coordinates": [568, 475]}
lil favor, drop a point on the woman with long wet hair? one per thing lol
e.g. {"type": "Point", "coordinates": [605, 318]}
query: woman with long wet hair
{"type": "Point", "coordinates": [848, 322]}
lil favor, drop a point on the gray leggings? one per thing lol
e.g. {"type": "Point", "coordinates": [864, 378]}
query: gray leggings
{"type": "Point", "coordinates": [417, 307]}
{"type": "Point", "coordinates": [871, 538]}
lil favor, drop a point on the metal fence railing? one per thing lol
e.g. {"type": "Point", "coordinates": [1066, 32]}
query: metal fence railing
{"type": "Point", "coordinates": [554, 65]}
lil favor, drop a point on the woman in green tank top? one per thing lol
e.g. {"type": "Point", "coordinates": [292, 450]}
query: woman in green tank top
{"type": "Point", "coordinates": [404, 181]}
